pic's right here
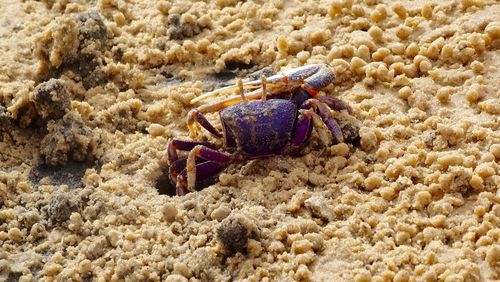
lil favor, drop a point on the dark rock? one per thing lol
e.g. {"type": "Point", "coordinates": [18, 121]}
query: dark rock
{"type": "Point", "coordinates": [51, 99]}
{"type": "Point", "coordinates": [61, 206]}
{"type": "Point", "coordinates": [233, 233]}
{"type": "Point", "coordinates": [68, 138]}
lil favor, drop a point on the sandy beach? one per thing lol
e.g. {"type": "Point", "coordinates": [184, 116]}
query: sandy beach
{"type": "Point", "coordinates": [91, 92]}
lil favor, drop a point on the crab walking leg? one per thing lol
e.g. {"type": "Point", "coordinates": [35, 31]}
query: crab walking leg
{"type": "Point", "coordinates": [175, 168]}
{"type": "Point", "coordinates": [335, 103]}
{"type": "Point", "coordinates": [322, 128]}
{"type": "Point", "coordinates": [307, 119]}
{"type": "Point", "coordinates": [204, 171]}
{"type": "Point", "coordinates": [206, 153]}
{"type": "Point", "coordinates": [183, 145]}
{"type": "Point", "coordinates": [326, 116]}
{"type": "Point", "coordinates": [195, 119]}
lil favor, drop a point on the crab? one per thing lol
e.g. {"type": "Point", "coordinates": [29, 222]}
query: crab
{"type": "Point", "coordinates": [275, 117]}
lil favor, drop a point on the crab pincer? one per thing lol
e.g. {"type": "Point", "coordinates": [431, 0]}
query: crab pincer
{"type": "Point", "coordinates": [310, 78]}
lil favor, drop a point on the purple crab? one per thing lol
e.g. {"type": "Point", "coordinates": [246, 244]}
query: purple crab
{"type": "Point", "coordinates": [275, 118]}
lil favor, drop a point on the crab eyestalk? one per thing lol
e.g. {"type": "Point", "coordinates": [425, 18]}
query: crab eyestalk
{"type": "Point", "coordinates": [242, 90]}
{"type": "Point", "coordinates": [264, 87]}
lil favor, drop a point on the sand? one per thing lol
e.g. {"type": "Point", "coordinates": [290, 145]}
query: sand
{"type": "Point", "coordinates": [90, 94]}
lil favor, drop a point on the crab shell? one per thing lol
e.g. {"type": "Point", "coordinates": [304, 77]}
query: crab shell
{"type": "Point", "coordinates": [259, 128]}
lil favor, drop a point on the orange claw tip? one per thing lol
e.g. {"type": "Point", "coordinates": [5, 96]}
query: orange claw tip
{"type": "Point", "coordinates": [310, 90]}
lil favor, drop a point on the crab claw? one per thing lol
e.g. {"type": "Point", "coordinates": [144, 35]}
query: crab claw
{"type": "Point", "coordinates": [319, 80]}
{"type": "Point", "coordinates": [310, 77]}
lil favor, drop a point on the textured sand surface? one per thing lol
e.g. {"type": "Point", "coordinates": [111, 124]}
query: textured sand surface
{"type": "Point", "coordinates": [90, 94]}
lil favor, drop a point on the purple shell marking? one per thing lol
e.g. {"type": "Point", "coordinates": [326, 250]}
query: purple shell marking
{"type": "Point", "coordinates": [259, 128]}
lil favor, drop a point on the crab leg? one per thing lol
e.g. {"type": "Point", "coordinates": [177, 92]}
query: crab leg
{"type": "Point", "coordinates": [204, 171]}
{"type": "Point", "coordinates": [335, 103]}
{"type": "Point", "coordinates": [206, 153]}
{"type": "Point", "coordinates": [175, 168]}
{"type": "Point", "coordinates": [326, 116]}
{"type": "Point", "coordinates": [183, 145]}
{"type": "Point", "coordinates": [195, 119]}
{"type": "Point", "coordinates": [308, 119]}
